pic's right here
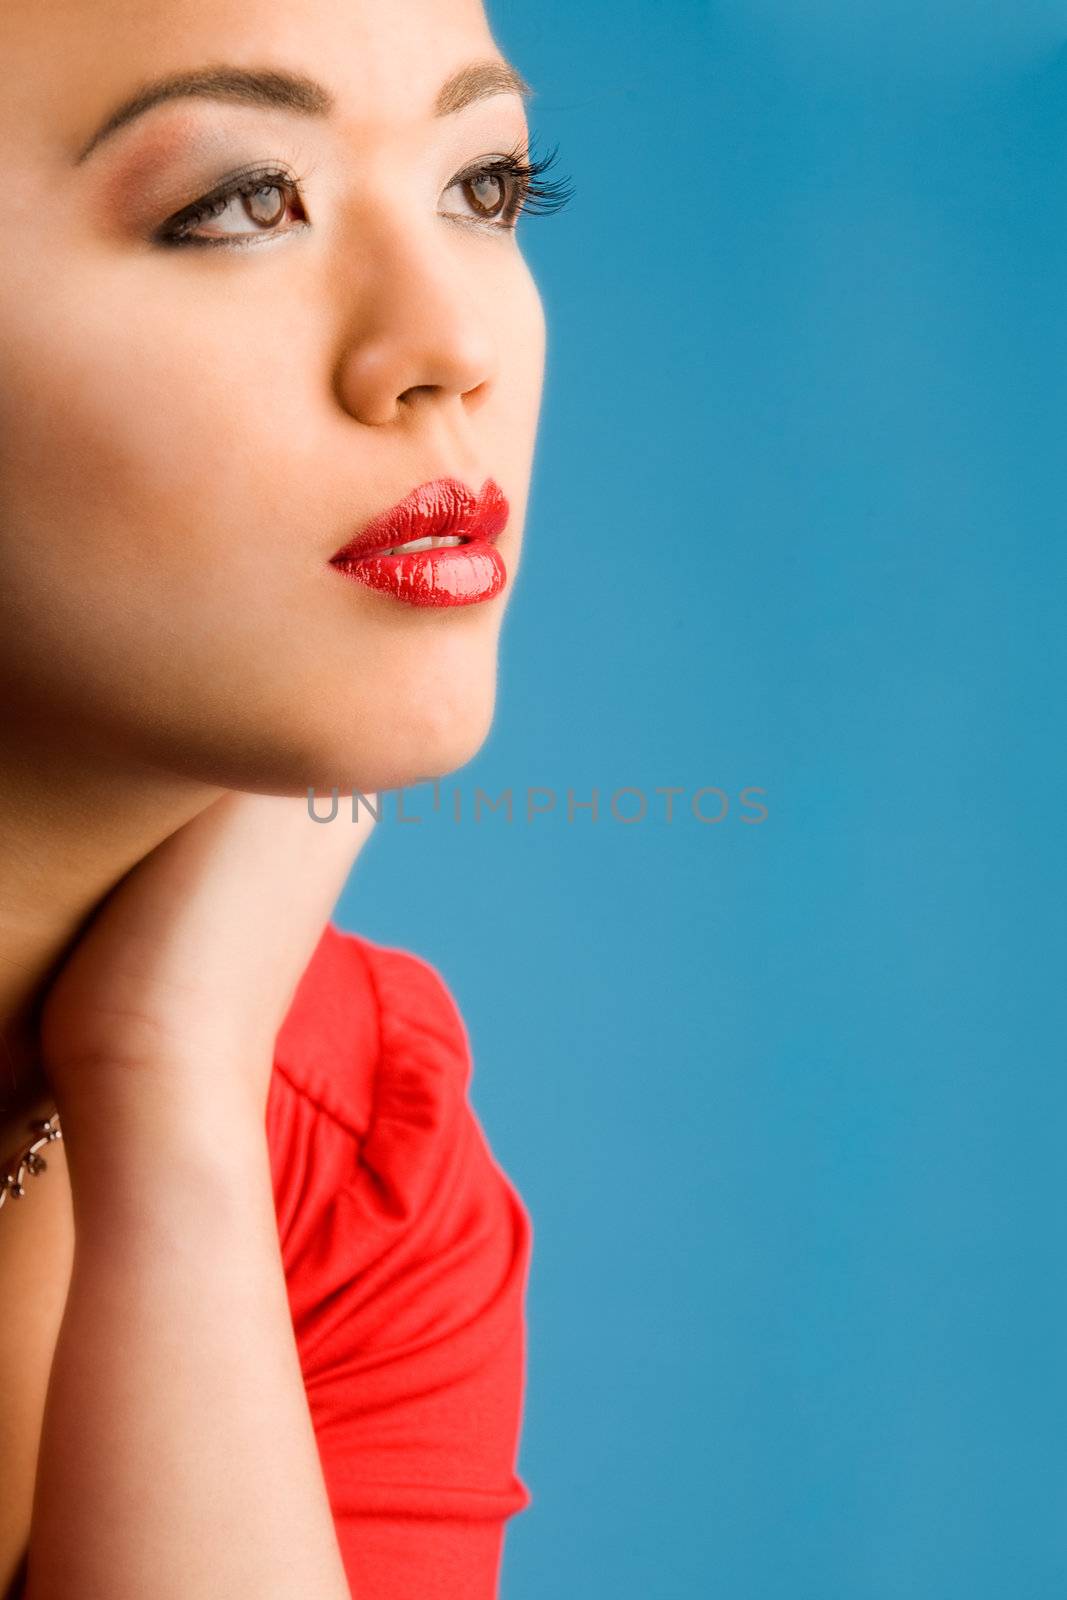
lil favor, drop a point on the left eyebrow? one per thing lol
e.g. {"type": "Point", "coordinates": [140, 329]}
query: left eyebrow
{"type": "Point", "coordinates": [291, 91]}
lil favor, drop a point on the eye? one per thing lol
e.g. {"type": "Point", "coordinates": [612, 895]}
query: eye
{"type": "Point", "coordinates": [240, 211]}
{"type": "Point", "coordinates": [499, 188]}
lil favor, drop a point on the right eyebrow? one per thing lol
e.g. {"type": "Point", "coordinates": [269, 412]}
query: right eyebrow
{"type": "Point", "coordinates": [291, 91]}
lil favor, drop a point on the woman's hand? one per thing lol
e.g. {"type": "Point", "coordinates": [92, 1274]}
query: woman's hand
{"type": "Point", "coordinates": [178, 986]}
{"type": "Point", "coordinates": [193, 1469]}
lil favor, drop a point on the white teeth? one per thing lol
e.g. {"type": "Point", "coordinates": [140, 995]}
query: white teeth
{"type": "Point", "coordinates": [431, 543]}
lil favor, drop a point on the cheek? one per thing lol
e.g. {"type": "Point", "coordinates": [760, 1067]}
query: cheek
{"type": "Point", "coordinates": [119, 425]}
{"type": "Point", "coordinates": [150, 533]}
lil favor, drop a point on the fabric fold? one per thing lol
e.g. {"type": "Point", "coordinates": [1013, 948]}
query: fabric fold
{"type": "Point", "coordinates": [406, 1251]}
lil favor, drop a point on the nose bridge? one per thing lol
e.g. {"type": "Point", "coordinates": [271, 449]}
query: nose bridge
{"type": "Point", "coordinates": [414, 321]}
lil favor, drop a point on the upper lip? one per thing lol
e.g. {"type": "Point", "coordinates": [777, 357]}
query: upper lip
{"type": "Point", "coordinates": [435, 509]}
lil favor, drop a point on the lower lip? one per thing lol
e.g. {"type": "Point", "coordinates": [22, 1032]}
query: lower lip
{"type": "Point", "coordinates": [450, 575]}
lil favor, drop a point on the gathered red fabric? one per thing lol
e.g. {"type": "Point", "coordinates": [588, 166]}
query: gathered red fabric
{"type": "Point", "coordinates": [406, 1251]}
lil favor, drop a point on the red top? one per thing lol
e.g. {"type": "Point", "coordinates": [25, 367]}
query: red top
{"type": "Point", "coordinates": [406, 1251]}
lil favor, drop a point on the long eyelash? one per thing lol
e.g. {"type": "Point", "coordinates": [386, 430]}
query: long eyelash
{"type": "Point", "coordinates": [535, 198]}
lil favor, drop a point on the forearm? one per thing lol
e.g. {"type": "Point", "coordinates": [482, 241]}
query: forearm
{"type": "Point", "coordinates": [177, 1455]}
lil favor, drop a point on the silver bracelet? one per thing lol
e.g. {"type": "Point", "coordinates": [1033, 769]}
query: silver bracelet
{"type": "Point", "coordinates": [28, 1160]}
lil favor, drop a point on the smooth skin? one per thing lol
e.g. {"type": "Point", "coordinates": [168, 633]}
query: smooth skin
{"type": "Point", "coordinates": [186, 436]}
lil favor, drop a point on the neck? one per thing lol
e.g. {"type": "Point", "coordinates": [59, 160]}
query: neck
{"type": "Point", "coordinates": [71, 826]}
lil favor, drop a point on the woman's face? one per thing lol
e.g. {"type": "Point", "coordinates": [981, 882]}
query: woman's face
{"type": "Point", "coordinates": [188, 432]}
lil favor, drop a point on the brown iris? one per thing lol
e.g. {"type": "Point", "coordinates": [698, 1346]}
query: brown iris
{"type": "Point", "coordinates": [259, 208]}
{"type": "Point", "coordinates": [486, 192]}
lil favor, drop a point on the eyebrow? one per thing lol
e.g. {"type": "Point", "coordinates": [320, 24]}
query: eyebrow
{"type": "Point", "coordinates": [291, 91]}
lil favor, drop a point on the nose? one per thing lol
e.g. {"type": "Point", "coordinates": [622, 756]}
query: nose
{"type": "Point", "coordinates": [418, 333]}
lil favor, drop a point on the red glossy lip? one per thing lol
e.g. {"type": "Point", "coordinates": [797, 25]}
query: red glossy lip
{"type": "Point", "coordinates": [442, 507]}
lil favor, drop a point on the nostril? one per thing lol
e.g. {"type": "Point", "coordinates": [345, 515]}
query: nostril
{"type": "Point", "coordinates": [417, 388]}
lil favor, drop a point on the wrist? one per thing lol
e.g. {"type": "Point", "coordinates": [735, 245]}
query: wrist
{"type": "Point", "coordinates": [171, 1096]}
{"type": "Point", "coordinates": [143, 1146]}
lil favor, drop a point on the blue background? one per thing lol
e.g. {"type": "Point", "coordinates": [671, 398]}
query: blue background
{"type": "Point", "coordinates": [785, 1100]}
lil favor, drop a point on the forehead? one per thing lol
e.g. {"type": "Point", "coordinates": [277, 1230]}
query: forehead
{"type": "Point", "coordinates": [68, 63]}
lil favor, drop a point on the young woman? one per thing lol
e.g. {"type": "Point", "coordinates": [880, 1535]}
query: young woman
{"type": "Point", "coordinates": [263, 316]}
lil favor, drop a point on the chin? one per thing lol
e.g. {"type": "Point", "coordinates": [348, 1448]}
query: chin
{"type": "Point", "coordinates": [419, 737]}
{"type": "Point", "coordinates": [406, 718]}
{"type": "Point", "coordinates": [435, 745]}
{"type": "Point", "coordinates": [396, 769]}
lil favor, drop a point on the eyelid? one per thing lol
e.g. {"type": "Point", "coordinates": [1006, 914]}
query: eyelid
{"type": "Point", "coordinates": [278, 175]}
{"type": "Point", "coordinates": [232, 180]}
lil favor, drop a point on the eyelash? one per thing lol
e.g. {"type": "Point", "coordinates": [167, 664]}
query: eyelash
{"type": "Point", "coordinates": [524, 193]}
